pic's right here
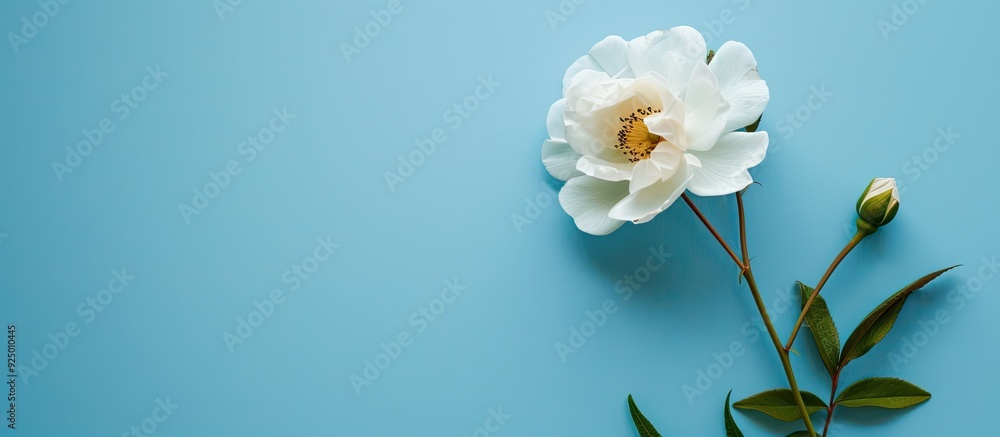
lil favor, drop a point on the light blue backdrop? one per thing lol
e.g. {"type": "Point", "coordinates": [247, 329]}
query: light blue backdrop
{"type": "Point", "coordinates": [198, 343]}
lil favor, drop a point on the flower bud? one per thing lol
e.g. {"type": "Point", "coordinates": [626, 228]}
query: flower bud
{"type": "Point", "coordinates": [878, 204]}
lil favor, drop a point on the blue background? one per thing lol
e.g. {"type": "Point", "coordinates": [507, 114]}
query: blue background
{"type": "Point", "coordinates": [527, 285]}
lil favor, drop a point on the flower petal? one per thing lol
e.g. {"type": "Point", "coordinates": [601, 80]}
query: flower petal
{"type": "Point", "coordinates": [644, 174]}
{"type": "Point", "coordinates": [588, 201]}
{"type": "Point", "coordinates": [736, 151]}
{"type": "Point", "coordinates": [590, 111]}
{"type": "Point", "coordinates": [560, 160]}
{"type": "Point", "coordinates": [641, 206]}
{"type": "Point", "coordinates": [735, 67]}
{"type": "Point", "coordinates": [585, 83]}
{"type": "Point", "coordinates": [706, 109]}
{"type": "Point", "coordinates": [723, 169]}
{"type": "Point", "coordinates": [608, 56]}
{"type": "Point", "coordinates": [672, 53]}
{"type": "Point", "coordinates": [668, 158]}
{"type": "Point", "coordinates": [662, 164]}
{"type": "Point", "coordinates": [556, 122]}
{"type": "Point", "coordinates": [606, 170]}
{"type": "Point", "coordinates": [668, 128]}
{"type": "Point", "coordinates": [707, 183]}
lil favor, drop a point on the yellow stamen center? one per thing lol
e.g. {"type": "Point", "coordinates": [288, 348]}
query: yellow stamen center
{"type": "Point", "coordinates": [634, 139]}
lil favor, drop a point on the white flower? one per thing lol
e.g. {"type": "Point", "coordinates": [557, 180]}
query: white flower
{"type": "Point", "coordinates": [642, 121]}
{"type": "Point", "coordinates": [879, 202]}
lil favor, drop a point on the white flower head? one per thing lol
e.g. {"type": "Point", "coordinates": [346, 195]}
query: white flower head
{"type": "Point", "coordinates": [642, 121]}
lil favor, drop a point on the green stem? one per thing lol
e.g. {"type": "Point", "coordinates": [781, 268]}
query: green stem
{"type": "Point", "coordinates": [711, 229]}
{"type": "Point", "coordinates": [833, 404]}
{"type": "Point", "coordinates": [860, 235]}
{"type": "Point", "coordinates": [782, 353]}
{"type": "Point", "coordinates": [747, 273]}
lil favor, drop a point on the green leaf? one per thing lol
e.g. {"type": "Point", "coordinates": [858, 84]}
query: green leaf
{"type": "Point", "coordinates": [641, 424]}
{"type": "Point", "coordinates": [823, 330]}
{"type": "Point", "coordinates": [802, 433]}
{"type": "Point", "coordinates": [731, 429]}
{"type": "Point", "coordinates": [780, 404]}
{"type": "Point", "coordinates": [882, 393]}
{"type": "Point", "coordinates": [878, 323]}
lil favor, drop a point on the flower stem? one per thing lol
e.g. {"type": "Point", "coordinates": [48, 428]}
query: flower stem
{"type": "Point", "coordinates": [747, 273]}
{"type": "Point", "coordinates": [833, 404]}
{"type": "Point", "coordinates": [860, 235]}
{"type": "Point", "coordinates": [715, 233]}
{"type": "Point", "coordinates": [743, 227]}
{"type": "Point", "coordinates": [782, 353]}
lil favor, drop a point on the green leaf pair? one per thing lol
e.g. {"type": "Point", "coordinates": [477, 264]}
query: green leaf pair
{"type": "Point", "coordinates": [868, 333]}
{"type": "Point", "coordinates": [872, 392]}
{"type": "Point", "coordinates": [646, 429]}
